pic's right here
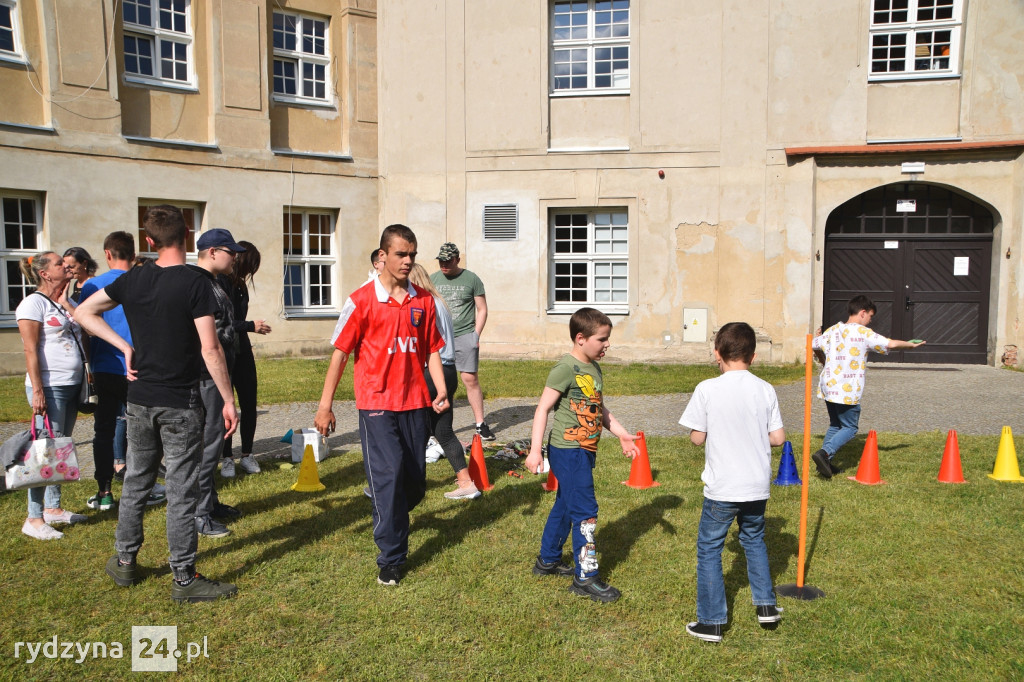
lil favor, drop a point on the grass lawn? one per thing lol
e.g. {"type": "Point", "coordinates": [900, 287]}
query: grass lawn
{"type": "Point", "coordinates": [924, 581]}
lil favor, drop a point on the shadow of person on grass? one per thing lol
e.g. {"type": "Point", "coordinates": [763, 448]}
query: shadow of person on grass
{"type": "Point", "coordinates": [781, 546]}
{"type": "Point", "coordinates": [616, 539]}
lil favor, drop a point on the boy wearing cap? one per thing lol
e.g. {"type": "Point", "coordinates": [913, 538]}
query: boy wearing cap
{"type": "Point", "coordinates": [217, 250]}
{"type": "Point", "coordinates": [464, 293]}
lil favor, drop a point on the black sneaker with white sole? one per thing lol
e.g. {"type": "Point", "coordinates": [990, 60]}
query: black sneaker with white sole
{"type": "Point", "coordinates": [768, 615]}
{"type": "Point", "coordinates": [705, 631]}
{"type": "Point", "coordinates": [595, 588]}
{"type": "Point", "coordinates": [389, 575]}
{"type": "Point", "coordinates": [554, 568]}
{"type": "Point", "coordinates": [484, 432]}
{"type": "Point", "coordinates": [822, 462]}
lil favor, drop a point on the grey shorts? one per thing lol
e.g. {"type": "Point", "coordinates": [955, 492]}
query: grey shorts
{"type": "Point", "coordinates": [467, 353]}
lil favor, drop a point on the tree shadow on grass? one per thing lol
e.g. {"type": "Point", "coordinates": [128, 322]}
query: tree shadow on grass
{"type": "Point", "coordinates": [616, 539]}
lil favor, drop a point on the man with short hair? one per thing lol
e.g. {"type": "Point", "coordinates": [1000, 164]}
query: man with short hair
{"type": "Point", "coordinates": [217, 250]}
{"type": "Point", "coordinates": [843, 351]}
{"type": "Point", "coordinates": [464, 293]}
{"type": "Point", "coordinates": [388, 326]}
{"type": "Point", "coordinates": [169, 308]}
{"type": "Point", "coordinates": [109, 374]}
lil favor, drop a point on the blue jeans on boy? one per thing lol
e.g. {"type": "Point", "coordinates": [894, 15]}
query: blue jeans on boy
{"type": "Point", "coordinates": [62, 409]}
{"type": "Point", "coordinates": [575, 505]}
{"type": "Point", "coordinates": [715, 520]}
{"type": "Point", "coordinates": [843, 423]}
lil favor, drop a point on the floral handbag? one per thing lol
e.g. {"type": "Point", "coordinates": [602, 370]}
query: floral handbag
{"type": "Point", "coordinates": [47, 461]}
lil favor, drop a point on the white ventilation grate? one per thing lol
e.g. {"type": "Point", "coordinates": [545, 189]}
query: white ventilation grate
{"type": "Point", "coordinates": [501, 222]}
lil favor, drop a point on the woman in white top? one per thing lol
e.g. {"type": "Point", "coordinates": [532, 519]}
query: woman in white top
{"type": "Point", "coordinates": [441, 424]}
{"type": "Point", "coordinates": [53, 379]}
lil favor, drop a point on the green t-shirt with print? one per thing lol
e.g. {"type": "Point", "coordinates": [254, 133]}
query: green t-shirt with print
{"type": "Point", "coordinates": [579, 411]}
{"type": "Point", "coordinates": [460, 294]}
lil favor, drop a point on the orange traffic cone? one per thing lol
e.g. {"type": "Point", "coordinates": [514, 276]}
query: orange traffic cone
{"type": "Point", "coordinates": [950, 471]}
{"type": "Point", "coordinates": [640, 473]}
{"type": "Point", "coordinates": [309, 478]}
{"type": "Point", "coordinates": [477, 465]}
{"type": "Point", "coordinates": [551, 485]}
{"type": "Point", "coordinates": [867, 472]}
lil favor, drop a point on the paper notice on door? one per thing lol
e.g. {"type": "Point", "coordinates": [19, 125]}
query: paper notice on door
{"type": "Point", "coordinates": [961, 264]}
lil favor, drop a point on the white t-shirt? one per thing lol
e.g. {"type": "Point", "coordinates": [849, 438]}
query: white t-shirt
{"type": "Point", "coordinates": [736, 410]}
{"type": "Point", "coordinates": [60, 363]}
{"type": "Point", "coordinates": [846, 349]}
{"type": "Point", "coordinates": [444, 327]}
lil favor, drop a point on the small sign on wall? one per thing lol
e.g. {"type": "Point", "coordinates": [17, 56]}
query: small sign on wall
{"type": "Point", "coordinates": [892, 244]}
{"type": "Point", "coordinates": [961, 265]}
{"type": "Point", "coordinates": [906, 205]}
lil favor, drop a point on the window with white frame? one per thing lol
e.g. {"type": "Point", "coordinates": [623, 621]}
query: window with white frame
{"type": "Point", "coordinates": [309, 260]}
{"type": "Point", "coordinates": [158, 42]}
{"type": "Point", "coordinates": [10, 44]}
{"type": "Point", "coordinates": [21, 217]}
{"type": "Point", "coordinates": [589, 260]}
{"type": "Point", "coordinates": [302, 58]}
{"type": "Point", "coordinates": [192, 213]}
{"type": "Point", "coordinates": [915, 38]}
{"type": "Point", "coordinates": [590, 45]}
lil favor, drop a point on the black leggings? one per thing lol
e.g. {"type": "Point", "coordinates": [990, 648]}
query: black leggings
{"type": "Point", "coordinates": [243, 378]}
{"type": "Point", "coordinates": [441, 424]}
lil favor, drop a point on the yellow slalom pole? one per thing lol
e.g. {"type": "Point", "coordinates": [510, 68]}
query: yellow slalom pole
{"type": "Point", "coordinates": [798, 590]}
{"type": "Point", "coordinates": [802, 556]}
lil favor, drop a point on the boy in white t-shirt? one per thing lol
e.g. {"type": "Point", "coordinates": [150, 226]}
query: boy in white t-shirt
{"type": "Point", "coordinates": [736, 418]}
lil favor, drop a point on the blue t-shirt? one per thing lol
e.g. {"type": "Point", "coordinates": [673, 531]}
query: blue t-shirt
{"type": "Point", "coordinates": [104, 357]}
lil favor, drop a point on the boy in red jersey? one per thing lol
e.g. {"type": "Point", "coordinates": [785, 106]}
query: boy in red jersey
{"type": "Point", "coordinates": [388, 325]}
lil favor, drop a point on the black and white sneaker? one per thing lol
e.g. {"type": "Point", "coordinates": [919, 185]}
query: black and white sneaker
{"type": "Point", "coordinates": [553, 568]}
{"type": "Point", "coordinates": [821, 461]}
{"type": "Point", "coordinates": [709, 633]}
{"type": "Point", "coordinates": [595, 588]}
{"type": "Point", "coordinates": [768, 615]}
{"type": "Point", "coordinates": [389, 575]}
{"type": "Point", "coordinates": [484, 431]}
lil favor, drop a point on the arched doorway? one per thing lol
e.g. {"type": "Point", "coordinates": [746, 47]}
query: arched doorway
{"type": "Point", "coordinates": [923, 254]}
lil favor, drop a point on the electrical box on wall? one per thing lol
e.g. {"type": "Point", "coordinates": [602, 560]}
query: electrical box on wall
{"type": "Point", "coordinates": [695, 325]}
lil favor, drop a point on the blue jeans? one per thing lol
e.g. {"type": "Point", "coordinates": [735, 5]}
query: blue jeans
{"type": "Point", "coordinates": [715, 520]}
{"type": "Point", "coordinates": [575, 510]}
{"type": "Point", "coordinates": [62, 408]}
{"type": "Point", "coordinates": [843, 422]}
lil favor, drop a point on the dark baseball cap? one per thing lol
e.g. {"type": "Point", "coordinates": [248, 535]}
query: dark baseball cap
{"type": "Point", "coordinates": [218, 237]}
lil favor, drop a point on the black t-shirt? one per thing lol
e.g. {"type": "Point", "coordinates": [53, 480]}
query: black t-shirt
{"type": "Point", "coordinates": [161, 305]}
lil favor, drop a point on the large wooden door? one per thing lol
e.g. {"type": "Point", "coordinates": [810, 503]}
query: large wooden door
{"type": "Point", "coordinates": [927, 270]}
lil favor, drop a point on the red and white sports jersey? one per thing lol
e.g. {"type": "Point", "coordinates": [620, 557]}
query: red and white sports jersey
{"type": "Point", "coordinates": [389, 343]}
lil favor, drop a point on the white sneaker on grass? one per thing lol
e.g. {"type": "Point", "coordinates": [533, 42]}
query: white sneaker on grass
{"type": "Point", "coordinates": [249, 464]}
{"type": "Point", "coordinates": [227, 467]}
{"type": "Point", "coordinates": [43, 532]}
{"type": "Point", "coordinates": [434, 450]}
{"type": "Point", "coordinates": [469, 492]}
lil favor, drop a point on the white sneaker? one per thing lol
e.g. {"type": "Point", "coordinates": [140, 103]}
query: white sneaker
{"type": "Point", "coordinates": [434, 450]}
{"type": "Point", "coordinates": [227, 467]}
{"type": "Point", "coordinates": [64, 517]}
{"type": "Point", "coordinates": [470, 492]}
{"type": "Point", "coordinates": [43, 532]}
{"type": "Point", "coordinates": [249, 464]}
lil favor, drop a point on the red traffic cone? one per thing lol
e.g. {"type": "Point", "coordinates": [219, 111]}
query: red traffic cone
{"type": "Point", "coordinates": [640, 473]}
{"type": "Point", "coordinates": [867, 472]}
{"type": "Point", "coordinates": [477, 465]}
{"type": "Point", "coordinates": [551, 485]}
{"type": "Point", "coordinates": [951, 471]}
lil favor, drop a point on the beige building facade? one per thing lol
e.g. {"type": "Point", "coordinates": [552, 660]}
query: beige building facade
{"type": "Point", "coordinates": [683, 164]}
{"type": "Point", "coordinates": [677, 164]}
{"type": "Point", "coordinates": [255, 116]}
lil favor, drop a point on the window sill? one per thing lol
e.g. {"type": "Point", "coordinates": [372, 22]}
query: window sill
{"type": "Point", "coordinates": [617, 310]}
{"type": "Point", "coordinates": [143, 82]}
{"type": "Point", "coordinates": [311, 155]}
{"type": "Point", "coordinates": [895, 78]}
{"type": "Point", "coordinates": [186, 144]}
{"type": "Point", "coordinates": [603, 92]}
{"type": "Point", "coordinates": [13, 59]}
{"type": "Point", "coordinates": [311, 314]}
{"type": "Point", "coordinates": [301, 103]}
